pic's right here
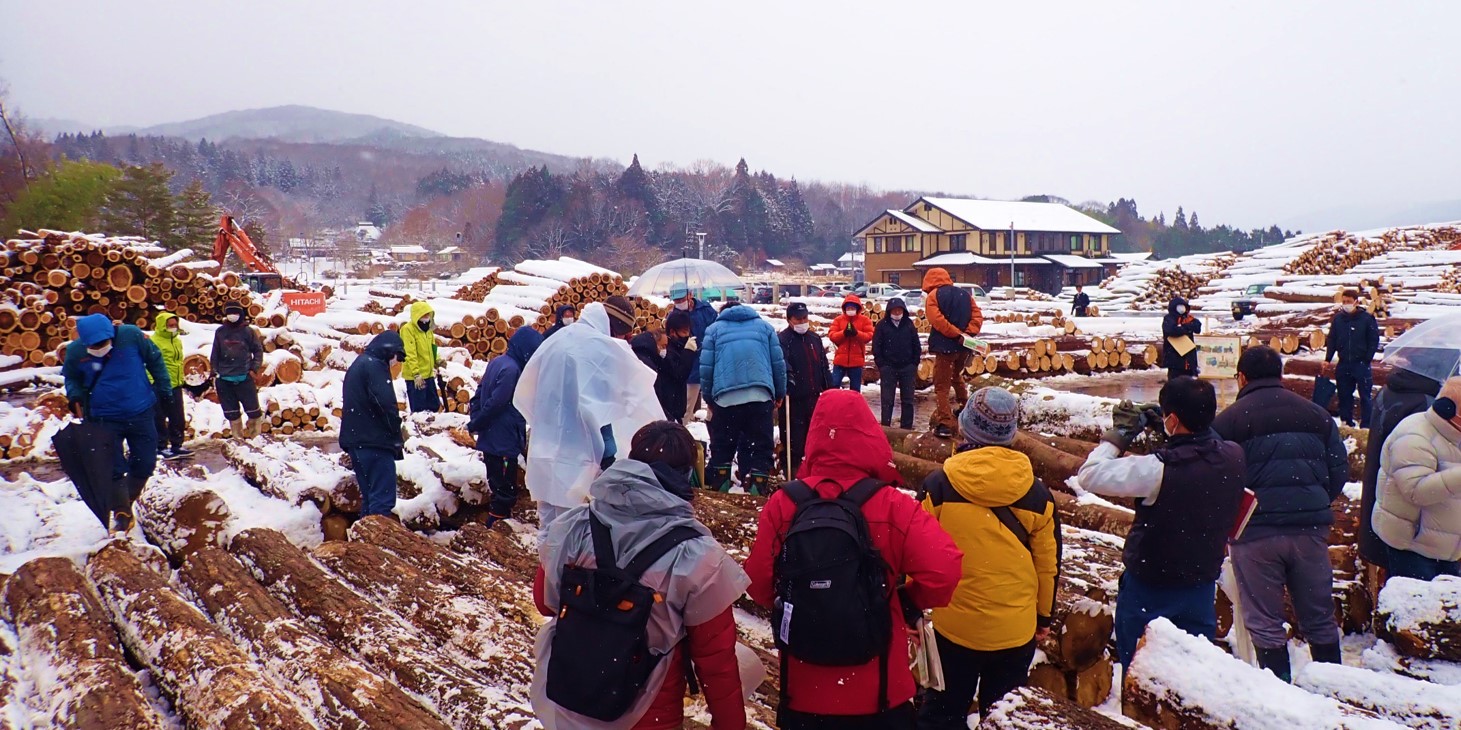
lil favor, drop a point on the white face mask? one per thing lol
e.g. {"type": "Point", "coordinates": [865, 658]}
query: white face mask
{"type": "Point", "coordinates": [173, 331]}
{"type": "Point", "coordinates": [567, 321]}
{"type": "Point", "coordinates": [663, 352]}
{"type": "Point", "coordinates": [232, 318]}
{"type": "Point", "coordinates": [100, 351]}
{"type": "Point", "coordinates": [683, 306]}
{"type": "Point", "coordinates": [802, 328]}
{"type": "Point", "coordinates": [1348, 308]}
{"type": "Point", "coordinates": [897, 318]}
{"type": "Point", "coordinates": [850, 311]}
{"type": "Point", "coordinates": [1181, 309]}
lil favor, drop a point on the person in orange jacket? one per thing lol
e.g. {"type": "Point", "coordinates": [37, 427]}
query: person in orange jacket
{"type": "Point", "coordinates": [850, 332]}
{"type": "Point", "coordinates": [952, 313]}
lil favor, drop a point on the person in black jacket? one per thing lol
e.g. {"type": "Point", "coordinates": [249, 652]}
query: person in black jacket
{"type": "Point", "coordinates": [370, 428]}
{"type": "Point", "coordinates": [1082, 302]}
{"type": "Point", "coordinates": [665, 354]}
{"type": "Point", "coordinates": [1297, 466]}
{"type": "Point", "coordinates": [896, 352]}
{"type": "Point", "coordinates": [1354, 335]}
{"type": "Point", "coordinates": [237, 356]}
{"type": "Point", "coordinates": [806, 377]}
{"type": "Point", "coordinates": [1179, 323]}
{"type": "Point", "coordinates": [564, 316]}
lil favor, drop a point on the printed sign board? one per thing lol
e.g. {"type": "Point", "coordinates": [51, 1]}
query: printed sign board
{"type": "Point", "coordinates": [1217, 357]}
{"type": "Point", "coordinates": [308, 303]}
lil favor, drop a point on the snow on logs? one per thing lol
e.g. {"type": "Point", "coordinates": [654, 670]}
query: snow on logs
{"type": "Point", "coordinates": [1077, 662]}
{"type": "Point", "coordinates": [1043, 357]}
{"type": "Point", "coordinates": [1410, 702]}
{"type": "Point", "coordinates": [1030, 708]}
{"type": "Point", "coordinates": [1422, 619]}
{"type": "Point", "coordinates": [295, 472]}
{"type": "Point", "coordinates": [181, 520]}
{"type": "Point", "coordinates": [76, 659]}
{"type": "Point", "coordinates": [213, 683]}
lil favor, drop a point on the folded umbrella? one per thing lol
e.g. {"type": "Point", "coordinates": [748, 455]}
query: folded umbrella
{"type": "Point", "coordinates": [87, 452]}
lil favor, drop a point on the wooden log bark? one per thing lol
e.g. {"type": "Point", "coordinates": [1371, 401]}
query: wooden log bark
{"type": "Point", "coordinates": [1422, 619]}
{"type": "Point", "coordinates": [182, 522]}
{"type": "Point", "coordinates": [212, 682]}
{"type": "Point", "coordinates": [381, 639]}
{"type": "Point", "coordinates": [1084, 615]}
{"type": "Point", "coordinates": [1027, 708]}
{"type": "Point", "coordinates": [1410, 702]}
{"type": "Point", "coordinates": [75, 656]}
{"type": "Point", "coordinates": [346, 694]}
{"type": "Point", "coordinates": [296, 473]}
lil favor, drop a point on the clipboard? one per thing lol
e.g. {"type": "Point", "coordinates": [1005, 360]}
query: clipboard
{"type": "Point", "coordinates": [1182, 345]}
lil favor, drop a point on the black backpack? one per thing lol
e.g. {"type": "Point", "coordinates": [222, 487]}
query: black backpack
{"type": "Point", "coordinates": [832, 587]}
{"type": "Point", "coordinates": [601, 658]}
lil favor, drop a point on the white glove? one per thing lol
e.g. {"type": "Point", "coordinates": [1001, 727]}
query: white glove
{"type": "Point", "coordinates": [692, 345]}
{"type": "Point", "coordinates": [420, 382]}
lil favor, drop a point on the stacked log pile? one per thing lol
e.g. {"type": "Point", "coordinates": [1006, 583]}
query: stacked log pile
{"type": "Point", "coordinates": [1177, 281]}
{"type": "Point", "coordinates": [1421, 619]}
{"type": "Point", "coordinates": [477, 290]}
{"type": "Point", "coordinates": [1339, 251]}
{"type": "Point", "coordinates": [1069, 354]}
{"type": "Point", "coordinates": [1031, 708]}
{"type": "Point", "coordinates": [1078, 660]}
{"type": "Point", "coordinates": [1405, 701]}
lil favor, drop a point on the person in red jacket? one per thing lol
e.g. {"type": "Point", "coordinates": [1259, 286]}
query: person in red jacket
{"type": "Point", "coordinates": [850, 332]}
{"type": "Point", "coordinates": [846, 445]}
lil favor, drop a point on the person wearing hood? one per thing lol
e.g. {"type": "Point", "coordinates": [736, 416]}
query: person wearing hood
{"type": "Point", "coordinates": [1418, 502]}
{"type": "Point", "coordinates": [370, 427]}
{"type": "Point", "coordinates": [565, 315]}
{"type": "Point", "coordinates": [850, 332]}
{"type": "Point", "coordinates": [1354, 335]}
{"type": "Point", "coordinates": [171, 421]}
{"type": "Point", "coordinates": [638, 500]}
{"type": "Point", "coordinates": [664, 352]}
{"type": "Point", "coordinates": [702, 315]}
{"type": "Point", "coordinates": [1002, 517]}
{"type": "Point", "coordinates": [1179, 323]}
{"type": "Point", "coordinates": [502, 434]}
{"type": "Point", "coordinates": [952, 313]}
{"type": "Point", "coordinates": [846, 446]}
{"type": "Point", "coordinates": [237, 356]}
{"type": "Point", "coordinates": [576, 393]}
{"type": "Point", "coordinates": [743, 373]}
{"type": "Point", "coordinates": [806, 378]}
{"type": "Point", "coordinates": [419, 371]}
{"type": "Point", "coordinates": [106, 373]}
{"type": "Point", "coordinates": [1081, 304]}
{"type": "Point", "coordinates": [896, 352]}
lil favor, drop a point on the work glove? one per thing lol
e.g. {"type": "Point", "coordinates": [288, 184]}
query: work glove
{"type": "Point", "coordinates": [692, 345]}
{"type": "Point", "coordinates": [164, 397]}
{"type": "Point", "coordinates": [851, 331]}
{"type": "Point", "coordinates": [420, 383]}
{"type": "Point", "coordinates": [1127, 422]}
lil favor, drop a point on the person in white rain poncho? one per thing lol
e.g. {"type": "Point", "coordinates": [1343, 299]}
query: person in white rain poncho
{"type": "Point", "coordinates": [581, 390]}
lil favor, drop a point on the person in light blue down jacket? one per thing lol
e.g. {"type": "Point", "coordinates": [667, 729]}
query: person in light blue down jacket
{"type": "Point", "coordinates": [743, 376]}
{"type": "Point", "coordinates": [106, 370]}
{"type": "Point", "coordinates": [502, 433]}
{"type": "Point", "coordinates": [702, 315]}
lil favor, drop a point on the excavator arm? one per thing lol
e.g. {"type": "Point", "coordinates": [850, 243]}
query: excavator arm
{"type": "Point", "coordinates": [231, 237]}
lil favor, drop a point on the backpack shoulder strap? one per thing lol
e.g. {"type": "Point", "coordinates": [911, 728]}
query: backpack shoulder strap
{"type": "Point", "coordinates": [863, 490]}
{"type": "Point", "coordinates": [657, 549]}
{"type": "Point", "coordinates": [799, 491]}
{"type": "Point", "coordinates": [1007, 518]}
{"type": "Point", "coordinates": [604, 557]}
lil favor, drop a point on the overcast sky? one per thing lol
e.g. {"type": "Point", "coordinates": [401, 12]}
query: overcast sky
{"type": "Point", "coordinates": [1247, 112]}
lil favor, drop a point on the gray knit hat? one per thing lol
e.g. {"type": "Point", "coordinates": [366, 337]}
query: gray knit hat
{"type": "Point", "coordinates": [990, 417]}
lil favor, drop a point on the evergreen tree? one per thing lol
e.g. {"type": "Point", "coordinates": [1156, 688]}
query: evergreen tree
{"type": "Point", "coordinates": [1179, 221]}
{"type": "Point", "coordinates": [69, 198]}
{"type": "Point", "coordinates": [139, 204]}
{"type": "Point", "coordinates": [197, 217]}
{"type": "Point", "coordinates": [375, 211]}
{"type": "Point", "coordinates": [1192, 222]}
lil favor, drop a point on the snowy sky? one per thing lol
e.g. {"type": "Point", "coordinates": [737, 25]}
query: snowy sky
{"type": "Point", "coordinates": [1248, 112]}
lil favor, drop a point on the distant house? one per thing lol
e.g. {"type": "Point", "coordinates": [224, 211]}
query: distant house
{"type": "Point", "coordinates": [312, 246]}
{"type": "Point", "coordinates": [1053, 245]}
{"type": "Point", "coordinates": [823, 268]}
{"type": "Point", "coordinates": [409, 254]}
{"type": "Point", "coordinates": [366, 232]}
{"type": "Point", "coordinates": [850, 262]}
{"type": "Point", "coordinates": [775, 263]}
{"type": "Point", "coordinates": [451, 255]}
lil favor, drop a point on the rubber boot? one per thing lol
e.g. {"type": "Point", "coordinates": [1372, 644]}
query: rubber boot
{"type": "Point", "coordinates": [718, 478]}
{"type": "Point", "coordinates": [236, 427]}
{"type": "Point", "coordinates": [1326, 653]}
{"type": "Point", "coordinates": [1276, 661]}
{"type": "Point", "coordinates": [252, 429]}
{"type": "Point", "coordinates": [121, 523]}
{"type": "Point", "coordinates": [759, 485]}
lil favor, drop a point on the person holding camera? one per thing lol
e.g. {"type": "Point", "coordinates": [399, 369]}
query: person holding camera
{"type": "Point", "coordinates": [1187, 491]}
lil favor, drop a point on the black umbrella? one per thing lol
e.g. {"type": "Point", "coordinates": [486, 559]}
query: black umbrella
{"type": "Point", "coordinates": [87, 451]}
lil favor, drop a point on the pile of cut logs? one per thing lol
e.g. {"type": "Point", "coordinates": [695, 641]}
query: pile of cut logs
{"type": "Point", "coordinates": [1174, 281]}
{"type": "Point", "coordinates": [477, 290]}
{"type": "Point", "coordinates": [1338, 251]}
{"type": "Point", "coordinates": [1064, 355]}
{"type": "Point", "coordinates": [51, 278]}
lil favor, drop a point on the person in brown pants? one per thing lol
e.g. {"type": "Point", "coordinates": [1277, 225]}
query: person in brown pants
{"type": "Point", "coordinates": [952, 313]}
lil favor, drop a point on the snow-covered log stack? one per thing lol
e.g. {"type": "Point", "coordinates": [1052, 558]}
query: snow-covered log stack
{"type": "Point", "coordinates": [1077, 662]}
{"type": "Point", "coordinates": [1030, 708]}
{"type": "Point", "coordinates": [1339, 251]}
{"type": "Point", "coordinates": [1421, 618]}
{"type": "Point", "coordinates": [1179, 281]}
{"type": "Point", "coordinates": [1410, 702]}
{"type": "Point", "coordinates": [1065, 355]}
{"type": "Point", "coordinates": [479, 289]}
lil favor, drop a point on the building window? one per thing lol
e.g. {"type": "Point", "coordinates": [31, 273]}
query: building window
{"type": "Point", "coordinates": [959, 242]}
{"type": "Point", "coordinates": [1075, 242]}
{"type": "Point", "coordinates": [893, 278]}
{"type": "Point", "coordinates": [1019, 278]}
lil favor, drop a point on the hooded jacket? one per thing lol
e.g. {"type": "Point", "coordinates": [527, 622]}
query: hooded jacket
{"type": "Point", "coordinates": [500, 429]}
{"type": "Point", "coordinates": [1404, 394]}
{"type": "Point", "coordinates": [671, 371]}
{"type": "Point", "coordinates": [237, 350]}
{"type": "Point", "coordinates": [420, 345]}
{"type": "Point", "coordinates": [1419, 502]}
{"type": "Point", "coordinates": [699, 583]}
{"type": "Point", "coordinates": [806, 364]}
{"type": "Point", "coordinates": [1006, 591]}
{"type": "Point", "coordinates": [171, 346]}
{"type": "Point", "coordinates": [1179, 325]}
{"type": "Point", "coordinates": [1354, 336]}
{"type": "Point", "coordinates": [851, 350]}
{"type": "Point", "coordinates": [702, 315]}
{"type": "Point", "coordinates": [370, 418]}
{"type": "Point", "coordinates": [895, 345]}
{"type": "Point", "coordinates": [558, 319]}
{"type": "Point", "coordinates": [114, 386]}
{"type": "Point", "coordinates": [740, 351]}
{"type": "Point", "coordinates": [846, 445]}
{"type": "Point", "coordinates": [951, 312]}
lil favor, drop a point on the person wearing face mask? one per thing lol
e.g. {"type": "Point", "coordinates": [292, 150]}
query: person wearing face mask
{"type": "Point", "coordinates": [420, 368]}
{"type": "Point", "coordinates": [237, 355]}
{"type": "Point", "coordinates": [502, 434]}
{"type": "Point", "coordinates": [106, 372]}
{"type": "Point", "coordinates": [565, 315]}
{"type": "Point", "coordinates": [1179, 323]}
{"type": "Point", "coordinates": [171, 421]}
{"type": "Point", "coordinates": [664, 352]}
{"type": "Point", "coordinates": [743, 372]}
{"type": "Point", "coordinates": [1418, 501]}
{"type": "Point", "coordinates": [850, 332]}
{"type": "Point", "coordinates": [896, 352]}
{"type": "Point", "coordinates": [1188, 493]}
{"type": "Point", "coordinates": [1354, 335]}
{"type": "Point", "coordinates": [806, 378]}
{"type": "Point", "coordinates": [702, 315]}
{"type": "Point", "coordinates": [370, 425]}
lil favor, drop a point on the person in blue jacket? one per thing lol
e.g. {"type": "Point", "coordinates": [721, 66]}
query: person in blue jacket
{"type": "Point", "coordinates": [702, 315]}
{"type": "Point", "coordinates": [502, 433]}
{"type": "Point", "coordinates": [743, 374]}
{"type": "Point", "coordinates": [106, 372]}
{"type": "Point", "coordinates": [370, 428]}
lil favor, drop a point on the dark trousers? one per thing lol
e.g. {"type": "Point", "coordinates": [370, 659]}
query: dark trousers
{"type": "Point", "coordinates": [1266, 566]}
{"type": "Point", "coordinates": [853, 375]}
{"type": "Point", "coordinates": [1191, 608]}
{"type": "Point", "coordinates": [424, 398]}
{"type": "Point", "coordinates": [967, 672]}
{"type": "Point", "coordinates": [1407, 564]}
{"type": "Point", "coordinates": [896, 382]}
{"type": "Point", "coordinates": [170, 421]}
{"type": "Point", "coordinates": [796, 431]}
{"type": "Point", "coordinates": [501, 478]}
{"type": "Point", "coordinates": [139, 434]}
{"type": "Point", "coordinates": [902, 717]}
{"type": "Point", "coordinates": [746, 428]}
{"type": "Point", "coordinates": [235, 397]}
{"type": "Point", "coordinates": [1349, 377]}
{"type": "Point", "coordinates": [375, 472]}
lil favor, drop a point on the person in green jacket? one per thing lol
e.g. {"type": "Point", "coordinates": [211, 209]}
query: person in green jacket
{"type": "Point", "coordinates": [419, 371]}
{"type": "Point", "coordinates": [169, 415]}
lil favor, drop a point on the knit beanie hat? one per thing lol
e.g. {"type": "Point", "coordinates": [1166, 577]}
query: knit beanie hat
{"type": "Point", "coordinates": [990, 417]}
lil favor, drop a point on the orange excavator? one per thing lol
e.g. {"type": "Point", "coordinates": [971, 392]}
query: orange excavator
{"type": "Point", "coordinates": [262, 277]}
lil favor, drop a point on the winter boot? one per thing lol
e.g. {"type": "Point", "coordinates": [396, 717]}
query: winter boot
{"type": "Point", "coordinates": [1276, 661]}
{"type": "Point", "coordinates": [759, 485]}
{"type": "Point", "coordinates": [718, 478]}
{"type": "Point", "coordinates": [121, 523]}
{"type": "Point", "coordinates": [236, 427]}
{"type": "Point", "coordinates": [1327, 653]}
{"type": "Point", "coordinates": [252, 429]}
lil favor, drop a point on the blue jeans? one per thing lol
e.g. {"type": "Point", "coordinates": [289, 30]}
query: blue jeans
{"type": "Point", "coordinates": [140, 435]}
{"type": "Point", "coordinates": [375, 472]}
{"type": "Point", "coordinates": [1349, 377]}
{"type": "Point", "coordinates": [1191, 608]}
{"type": "Point", "coordinates": [1407, 564]}
{"type": "Point", "coordinates": [853, 375]}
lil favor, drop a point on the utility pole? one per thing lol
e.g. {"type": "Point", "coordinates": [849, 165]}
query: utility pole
{"type": "Point", "coordinates": [700, 236]}
{"type": "Point", "coordinates": [1012, 258]}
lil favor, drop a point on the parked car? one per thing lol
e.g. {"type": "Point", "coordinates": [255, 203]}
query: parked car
{"type": "Point", "coordinates": [1248, 303]}
{"type": "Point", "coordinates": [910, 297]}
{"type": "Point", "coordinates": [760, 294]}
{"type": "Point", "coordinates": [882, 291]}
{"type": "Point", "coordinates": [976, 291]}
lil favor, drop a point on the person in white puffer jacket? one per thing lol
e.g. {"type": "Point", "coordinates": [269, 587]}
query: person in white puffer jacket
{"type": "Point", "coordinates": [1418, 509]}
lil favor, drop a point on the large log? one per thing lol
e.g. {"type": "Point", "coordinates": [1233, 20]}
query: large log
{"type": "Point", "coordinates": [295, 472]}
{"type": "Point", "coordinates": [73, 653]}
{"type": "Point", "coordinates": [181, 520]}
{"type": "Point", "coordinates": [1410, 702]}
{"type": "Point", "coordinates": [1084, 615]}
{"type": "Point", "coordinates": [344, 693]}
{"type": "Point", "coordinates": [212, 682]}
{"type": "Point", "coordinates": [1421, 618]}
{"type": "Point", "coordinates": [1028, 708]}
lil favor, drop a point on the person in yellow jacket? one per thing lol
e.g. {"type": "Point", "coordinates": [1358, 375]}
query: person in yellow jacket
{"type": "Point", "coordinates": [171, 422]}
{"type": "Point", "coordinates": [987, 498]}
{"type": "Point", "coordinates": [419, 372]}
